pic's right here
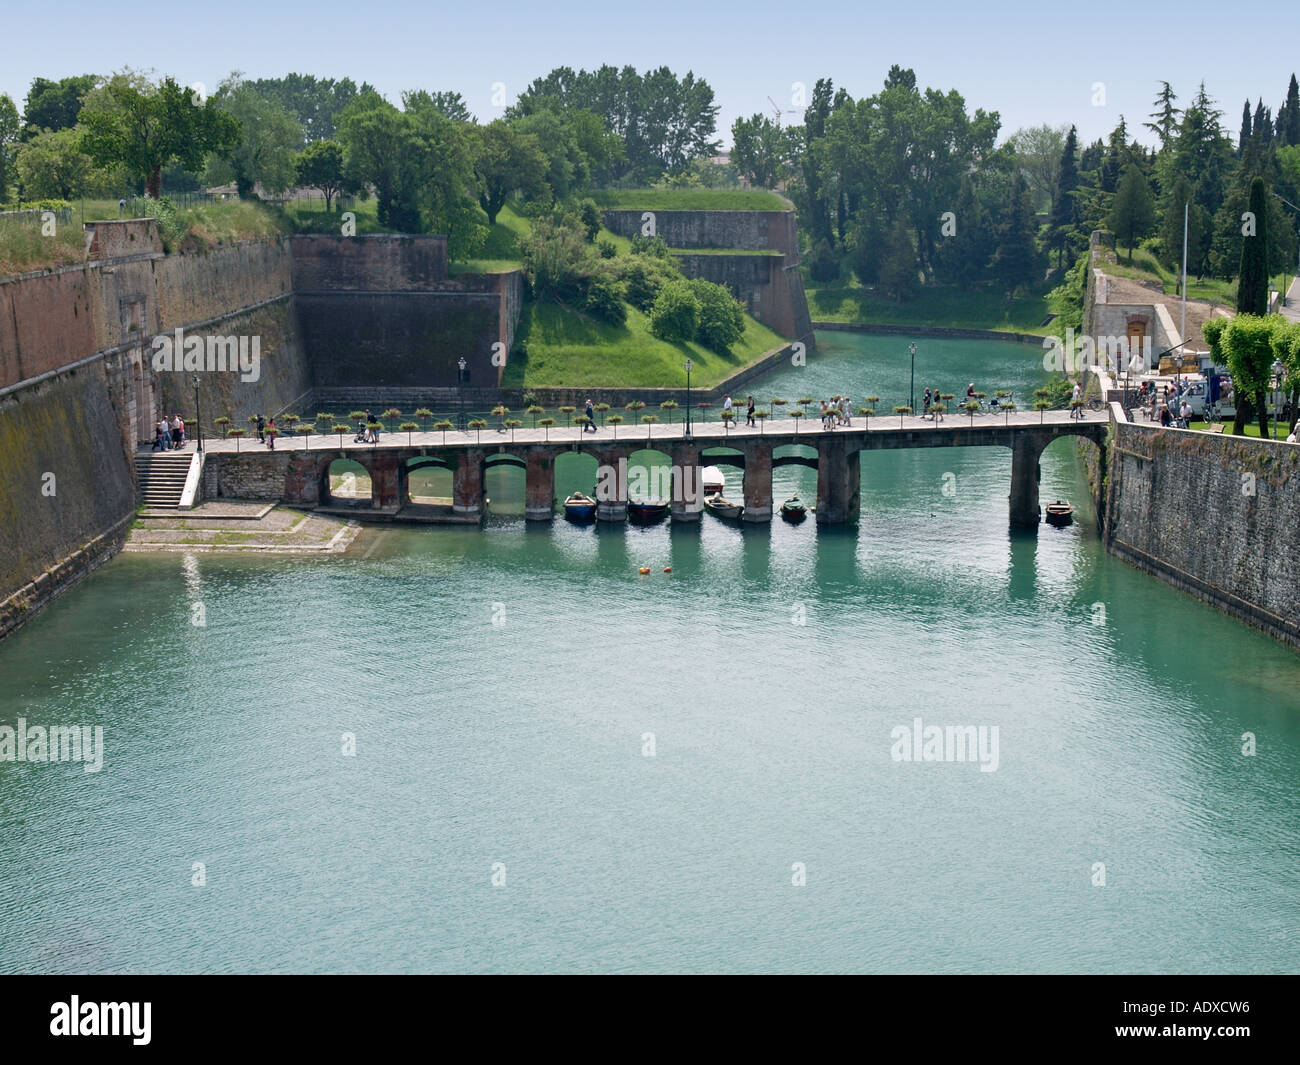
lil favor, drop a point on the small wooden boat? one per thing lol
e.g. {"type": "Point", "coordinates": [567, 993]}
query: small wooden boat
{"type": "Point", "coordinates": [579, 507]}
{"type": "Point", "coordinates": [713, 480]}
{"type": "Point", "coordinates": [793, 509]}
{"type": "Point", "coordinates": [723, 508]}
{"type": "Point", "coordinates": [646, 513]}
{"type": "Point", "coordinates": [1059, 513]}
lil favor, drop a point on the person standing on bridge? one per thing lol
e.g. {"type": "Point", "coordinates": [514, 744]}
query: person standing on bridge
{"type": "Point", "coordinates": [925, 404]}
{"type": "Point", "coordinates": [726, 406]}
{"type": "Point", "coordinates": [1076, 407]}
{"type": "Point", "coordinates": [938, 412]}
{"type": "Point", "coordinates": [590, 412]}
{"type": "Point", "coordinates": [749, 412]}
{"type": "Point", "coordinates": [270, 435]}
{"type": "Point", "coordinates": [261, 430]}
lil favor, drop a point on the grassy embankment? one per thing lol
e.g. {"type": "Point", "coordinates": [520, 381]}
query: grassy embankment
{"type": "Point", "coordinates": [947, 306]}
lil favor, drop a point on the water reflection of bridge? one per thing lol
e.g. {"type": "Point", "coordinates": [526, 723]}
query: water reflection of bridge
{"type": "Point", "coordinates": [304, 466]}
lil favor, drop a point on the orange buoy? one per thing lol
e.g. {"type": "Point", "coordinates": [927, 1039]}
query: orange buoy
{"type": "Point", "coordinates": [644, 569]}
{"type": "Point", "coordinates": [668, 569]}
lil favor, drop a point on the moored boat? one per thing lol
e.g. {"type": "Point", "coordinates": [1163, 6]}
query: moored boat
{"type": "Point", "coordinates": [1059, 513]}
{"type": "Point", "coordinates": [579, 507]}
{"type": "Point", "coordinates": [723, 508]}
{"type": "Point", "coordinates": [713, 481]}
{"type": "Point", "coordinates": [793, 509]}
{"type": "Point", "coordinates": [644, 512]}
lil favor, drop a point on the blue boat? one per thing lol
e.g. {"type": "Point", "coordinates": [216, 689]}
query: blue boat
{"type": "Point", "coordinates": [580, 508]}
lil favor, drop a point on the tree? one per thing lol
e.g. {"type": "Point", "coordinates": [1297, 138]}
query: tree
{"type": "Point", "coordinates": [451, 105]}
{"type": "Point", "coordinates": [1171, 229]}
{"type": "Point", "coordinates": [1134, 211]}
{"type": "Point", "coordinates": [320, 166]}
{"type": "Point", "coordinates": [1015, 262]}
{"type": "Point", "coordinates": [1165, 116]}
{"type": "Point", "coordinates": [1038, 152]}
{"type": "Point", "coordinates": [898, 270]}
{"type": "Point", "coordinates": [54, 105]}
{"type": "Point", "coordinates": [8, 143]}
{"type": "Point", "coordinates": [722, 320]}
{"type": "Point", "coordinates": [266, 152]}
{"type": "Point", "coordinates": [507, 161]}
{"type": "Point", "coordinates": [316, 103]}
{"type": "Point", "coordinates": [1247, 341]}
{"type": "Point", "coordinates": [1067, 180]}
{"type": "Point", "coordinates": [52, 165]}
{"type": "Point", "coordinates": [1288, 115]}
{"type": "Point", "coordinates": [144, 127]}
{"type": "Point", "coordinates": [760, 149]}
{"type": "Point", "coordinates": [1252, 278]}
{"type": "Point", "coordinates": [675, 316]}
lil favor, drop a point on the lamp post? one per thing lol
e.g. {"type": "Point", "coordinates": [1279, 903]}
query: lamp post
{"type": "Point", "coordinates": [460, 389]}
{"type": "Point", "coordinates": [911, 388]}
{"type": "Point", "coordinates": [198, 414]}
{"type": "Point", "coordinates": [689, 365]}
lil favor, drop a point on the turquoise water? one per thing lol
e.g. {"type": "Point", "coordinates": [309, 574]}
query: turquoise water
{"type": "Point", "coordinates": [1120, 707]}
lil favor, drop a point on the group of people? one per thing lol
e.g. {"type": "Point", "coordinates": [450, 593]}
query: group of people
{"type": "Point", "coordinates": [367, 431]}
{"type": "Point", "coordinates": [267, 432]}
{"type": "Point", "coordinates": [169, 433]}
{"type": "Point", "coordinates": [836, 411]}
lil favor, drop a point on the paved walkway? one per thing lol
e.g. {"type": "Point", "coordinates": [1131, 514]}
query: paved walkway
{"type": "Point", "coordinates": [710, 433]}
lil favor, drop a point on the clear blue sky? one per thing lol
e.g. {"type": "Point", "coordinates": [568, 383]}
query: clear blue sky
{"type": "Point", "coordinates": [1031, 62]}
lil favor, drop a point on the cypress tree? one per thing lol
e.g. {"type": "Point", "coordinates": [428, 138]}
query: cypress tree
{"type": "Point", "coordinates": [1067, 180]}
{"type": "Point", "coordinates": [1243, 138]}
{"type": "Point", "coordinates": [1134, 210]}
{"type": "Point", "coordinates": [1290, 128]}
{"type": "Point", "coordinates": [1252, 279]}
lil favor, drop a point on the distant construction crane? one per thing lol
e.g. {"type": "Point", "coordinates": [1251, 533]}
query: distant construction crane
{"type": "Point", "coordinates": [776, 110]}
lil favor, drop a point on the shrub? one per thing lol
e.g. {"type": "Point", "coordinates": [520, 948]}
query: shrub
{"type": "Point", "coordinates": [644, 277]}
{"type": "Point", "coordinates": [652, 247]}
{"type": "Point", "coordinates": [823, 263]}
{"type": "Point", "coordinates": [590, 215]}
{"type": "Point", "coordinates": [721, 318]}
{"type": "Point", "coordinates": [604, 300]}
{"type": "Point", "coordinates": [675, 316]}
{"type": "Point", "coordinates": [606, 248]}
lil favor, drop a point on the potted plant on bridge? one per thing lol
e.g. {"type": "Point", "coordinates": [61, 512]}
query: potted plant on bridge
{"type": "Point", "coordinates": [796, 415]}
{"type": "Point", "coordinates": [325, 418]}
{"type": "Point", "coordinates": [237, 433]}
{"type": "Point", "coordinates": [340, 429]}
{"type": "Point", "coordinates": [947, 399]}
{"type": "Point", "coordinates": [290, 420]}
{"type": "Point", "coordinates": [444, 425]}
{"type": "Point", "coordinates": [867, 414]}
{"type": "Point", "coordinates": [304, 430]}
{"type": "Point", "coordinates": [424, 414]}
{"type": "Point", "coordinates": [408, 428]}
{"type": "Point", "coordinates": [805, 402]}
{"type": "Point", "coordinates": [567, 410]}
{"type": "Point", "coordinates": [546, 424]}
{"type": "Point", "coordinates": [902, 412]}
{"type": "Point", "coordinates": [1009, 408]}
{"type": "Point", "coordinates": [478, 425]}
{"type": "Point", "coordinates": [727, 417]}
{"type": "Point", "coordinates": [391, 414]}
{"type": "Point", "coordinates": [534, 409]}
{"type": "Point", "coordinates": [762, 415]}
{"type": "Point", "coordinates": [971, 407]}
{"type": "Point", "coordinates": [938, 410]}
{"type": "Point", "coordinates": [635, 407]}
{"type": "Point", "coordinates": [1041, 405]}
{"type": "Point", "coordinates": [581, 421]}
{"type": "Point", "coordinates": [499, 412]}
{"type": "Point", "coordinates": [615, 420]}
{"type": "Point", "coordinates": [252, 419]}
{"type": "Point", "coordinates": [602, 409]}
{"type": "Point", "coordinates": [669, 405]}
{"type": "Point", "coordinates": [649, 420]}
{"type": "Point", "coordinates": [704, 406]}
{"type": "Point", "coordinates": [223, 423]}
{"type": "Point", "coordinates": [375, 429]}
{"type": "Point", "coordinates": [512, 424]}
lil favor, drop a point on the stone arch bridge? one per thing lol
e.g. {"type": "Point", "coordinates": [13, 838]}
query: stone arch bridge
{"type": "Point", "coordinates": [299, 475]}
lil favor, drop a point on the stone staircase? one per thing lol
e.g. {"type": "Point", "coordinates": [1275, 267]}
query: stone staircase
{"type": "Point", "coordinates": [161, 478]}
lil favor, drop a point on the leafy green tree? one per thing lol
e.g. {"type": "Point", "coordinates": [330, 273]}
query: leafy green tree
{"type": "Point", "coordinates": [899, 275]}
{"type": "Point", "coordinates": [1252, 278]}
{"type": "Point", "coordinates": [644, 276]}
{"type": "Point", "coordinates": [722, 319]}
{"type": "Point", "coordinates": [54, 105]}
{"type": "Point", "coordinates": [760, 149]}
{"type": "Point", "coordinates": [8, 144]}
{"type": "Point", "coordinates": [320, 166]}
{"type": "Point", "coordinates": [144, 127]}
{"type": "Point", "coordinates": [558, 261]}
{"type": "Point", "coordinates": [1134, 211]}
{"type": "Point", "coordinates": [1016, 260]}
{"type": "Point", "coordinates": [675, 316]}
{"type": "Point", "coordinates": [269, 137]}
{"type": "Point", "coordinates": [316, 103]}
{"type": "Point", "coordinates": [52, 165]}
{"type": "Point", "coordinates": [1037, 151]}
{"type": "Point", "coordinates": [507, 161]}
{"type": "Point", "coordinates": [1247, 342]}
{"type": "Point", "coordinates": [1165, 116]}
{"type": "Point", "coordinates": [383, 147]}
{"type": "Point", "coordinates": [1199, 229]}
{"type": "Point", "coordinates": [451, 105]}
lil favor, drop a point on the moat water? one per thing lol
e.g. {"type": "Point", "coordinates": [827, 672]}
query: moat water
{"type": "Point", "coordinates": [505, 688]}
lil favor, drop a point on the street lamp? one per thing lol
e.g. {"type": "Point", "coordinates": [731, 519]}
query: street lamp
{"type": "Point", "coordinates": [198, 414]}
{"type": "Point", "coordinates": [460, 388]}
{"type": "Point", "coordinates": [689, 364]}
{"type": "Point", "coordinates": [911, 388]}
